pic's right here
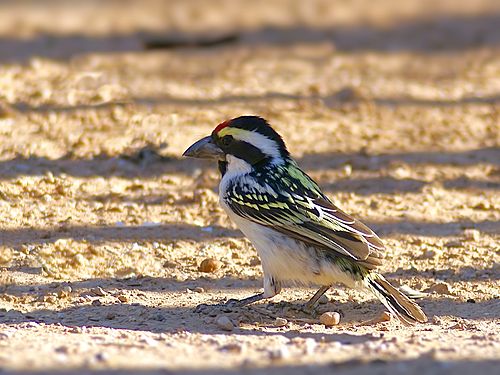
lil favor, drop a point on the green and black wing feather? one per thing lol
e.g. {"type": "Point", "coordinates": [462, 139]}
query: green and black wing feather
{"type": "Point", "coordinates": [289, 201]}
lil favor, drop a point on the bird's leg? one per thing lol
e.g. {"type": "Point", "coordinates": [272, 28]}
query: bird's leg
{"type": "Point", "coordinates": [245, 301]}
{"type": "Point", "coordinates": [309, 307]}
{"type": "Point", "coordinates": [272, 287]}
{"type": "Point", "coordinates": [311, 304]}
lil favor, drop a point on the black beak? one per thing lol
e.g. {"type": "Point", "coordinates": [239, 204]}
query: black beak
{"type": "Point", "coordinates": [205, 148]}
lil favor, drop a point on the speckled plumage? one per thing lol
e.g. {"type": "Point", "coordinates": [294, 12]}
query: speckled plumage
{"type": "Point", "coordinates": [299, 234]}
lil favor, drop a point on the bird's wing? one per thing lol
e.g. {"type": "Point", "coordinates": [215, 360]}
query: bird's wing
{"type": "Point", "coordinates": [298, 208]}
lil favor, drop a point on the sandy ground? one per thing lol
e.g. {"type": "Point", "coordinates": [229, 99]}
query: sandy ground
{"type": "Point", "coordinates": [393, 107]}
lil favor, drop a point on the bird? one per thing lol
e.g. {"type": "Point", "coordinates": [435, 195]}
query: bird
{"type": "Point", "coordinates": [300, 235]}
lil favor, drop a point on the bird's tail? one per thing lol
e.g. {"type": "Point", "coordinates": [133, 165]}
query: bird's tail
{"type": "Point", "coordinates": [396, 302]}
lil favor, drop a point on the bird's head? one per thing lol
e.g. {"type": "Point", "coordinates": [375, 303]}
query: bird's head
{"type": "Point", "coordinates": [247, 138]}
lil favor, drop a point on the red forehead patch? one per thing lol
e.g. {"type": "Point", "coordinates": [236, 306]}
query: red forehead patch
{"type": "Point", "coordinates": [221, 126]}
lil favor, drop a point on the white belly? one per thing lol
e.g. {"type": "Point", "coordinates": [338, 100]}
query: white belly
{"type": "Point", "coordinates": [286, 259]}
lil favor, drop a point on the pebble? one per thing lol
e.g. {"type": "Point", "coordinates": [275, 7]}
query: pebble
{"type": "Point", "coordinates": [50, 298]}
{"type": "Point", "coordinates": [280, 322]}
{"type": "Point", "coordinates": [483, 206]}
{"type": "Point", "coordinates": [310, 346]}
{"type": "Point", "coordinates": [101, 357]}
{"type": "Point", "coordinates": [65, 291]}
{"type": "Point", "coordinates": [472, 234]}
{"type": "Point", "coordinates": [5, 335]}
{"type": "Point", "coordinates": [223, 322]}
{"type": "Point", "coordinates": [31, 325]}
{"type": "Point", "coordinates": [110, 316]}
{"type": "Point", "coordinates": [199, 289]}
{"type": "Point", "coordinates": [209, 265]}
{"type": "Point", "coordinates": [148, 341]}
{"type": "Point", "coordinates": [428, 254]}
{"type": "Point", "coordinates": [453, 243]}
{"type": "Point", "coordinates": [98, 291]}
{"type": "Point", "coordinates": [330, 318]}
{"type": "Point", "coordinates": [347, 169]}
{"type": "Point", "coordinates": [75, 329]}
{"type": "Point", "coordinates": [279, 354]}
{"type": "Point", "coordinates": [254, 261]}
{"type": "Point", "coordinates": [323, 300]}
{"type": "Point", "coordinates": [62, 349]}
{"type": "Point", "coordinates": [232, 348]}
{"type": "Point", "coordinates": [440, 288]}
{"type": "Point", "coordinates": [122, 298]}
{"type": "Point", "coordinates": [385, 317]}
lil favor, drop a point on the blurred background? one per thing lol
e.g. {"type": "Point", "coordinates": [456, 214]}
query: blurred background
{"type": "Point", "coordinates": [392, 106]}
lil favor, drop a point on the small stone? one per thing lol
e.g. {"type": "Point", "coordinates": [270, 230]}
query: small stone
{"type": "Point", "coordinates": [440, 288]}
{"type": "Point", "coordinates": [62, 349]}
{"type": "Point", "coordinates": [232, 348]}
{"type": "Point", "coordinates": [50, 298]}
{"type": "Point", "coordinates": [5, 335]}
{"type": "Point", "coordinates": [199, 289]}
{"type": "Point", "coordinates": [75, 329]}
{"type": "Point", "coordinates": [347, 169]}
{"type": "Point", "coordinates": [233, 245]}
{"type": "Point", "coordinates": [254, 261]}
{"type": "Point", "coordinates": [209, 265]}
{"type": "Point", "coordinates": [330, 318]}
{"type": "Point", "coordinates": [453, 243]}
{"type": "Point", "coordinates": [101, 357]}
{"type": "Point", "coordinates": [280, 322]}
{"type": "Point", "coordinates": [110, 316]}
{"type": "Point", "coordinates": [96, 302]}
{"type": "Point", "coordinates": [122, 298]}
{"type": "Point", "coordinates": [310, 346]}
{"type": "Point", "coordinates": [223, 322]}
{"type": "Point", "coordinates": [170, 264]}
{"type": "Point", "coordinates": [148, 341]}
{"type": "Point", "coordinates": [46, 198]}
{"type": "Point", "coordinates": [472, 234]}
{"type": "Point", "coordinates": [323, 300]}
{"type": "Point", "coordinates": [65, 291]}
{"type": "Point", "coordinates": [385, 317]}
{"type": "Point", "coordinates": [98, 291]}
{"type": "Point", "coordinates": [417, 241]}
{"type": "Point", "coordinates": [279, 354]}
{"type": "Point", "coordinates": [485, 206]}
{"type": "Point", "coordinates": [437, 320]}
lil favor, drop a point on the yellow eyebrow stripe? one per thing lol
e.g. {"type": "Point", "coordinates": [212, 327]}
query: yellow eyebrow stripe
{"type": "Point", "coordinates": [231, 131]}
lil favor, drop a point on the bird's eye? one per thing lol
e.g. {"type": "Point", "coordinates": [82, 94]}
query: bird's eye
{"type": "Point", "coordinates": [227, 139]}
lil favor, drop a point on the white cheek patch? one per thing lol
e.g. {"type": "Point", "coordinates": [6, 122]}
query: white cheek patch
{"type": "Point", "coordinates": [266, 145]}
{"type": "Point", "coordinates": [237, 166]}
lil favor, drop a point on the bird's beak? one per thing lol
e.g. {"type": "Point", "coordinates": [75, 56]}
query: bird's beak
{"type": "Point", "coordinates": [205, 148]}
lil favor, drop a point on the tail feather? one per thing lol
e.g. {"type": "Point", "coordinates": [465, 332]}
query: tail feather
{"type": "Point", "coordinates": [398, 303]}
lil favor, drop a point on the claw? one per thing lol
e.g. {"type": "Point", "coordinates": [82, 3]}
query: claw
{"type": "Point", "coordinates": [213, 309]}
{"type": "Point", "coordinates": [233, 302]}
{"type": "Point", "coordinates": [305, 308]}
{"type": "Point", "coordinates": [309, 309]}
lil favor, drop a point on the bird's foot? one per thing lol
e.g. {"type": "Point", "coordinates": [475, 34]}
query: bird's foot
{"type": "Point", "coordinates": [213, 310]}
{"type": "Point", "coordinates": [228, 305]}
{"type": "Point", "coordinates": [305, 308]}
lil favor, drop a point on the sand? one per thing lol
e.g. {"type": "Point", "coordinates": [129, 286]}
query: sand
{"type": "Point", "coordinates": [392, 107]}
